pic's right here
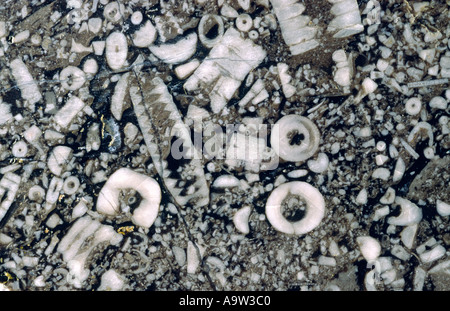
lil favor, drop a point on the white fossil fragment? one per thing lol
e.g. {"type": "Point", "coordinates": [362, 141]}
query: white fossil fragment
{"type": "Point", "coordinates": [207, 23]}
{"type": "Point", "coordinates": [442, 208]}
{"type": "Point", "coordinates": [78, 244]}
{"type": "Point", "coordinates": [145, 35]}
{"type": "Point", "coordinates": [399, 170]}
{"type": "Point", "coordinates": [36, 193]}
{"type": "Point", "coordinates": [90, 67]}
{"type": "Point", "coordinates": [368, 86]}
{"type": "Point", "coordinates": [80, 209]}
{"type": "Point", "coordinates": [410, 213]}
{"type": "Point", "coordinates": [388, 197]}
{"type": "Point", "coordinates": [226, 66]}
{"type": "Point", "coordinates": [95, 24]}
{"type": "Point", "coordinates": [53, 193]}
{"type": "Point", "coordinates": [347, 20]}
{"type": "Point", "coordinates": [58, 159]}
{"type": "Point", "coordinates": [408, 235]}
{"type": "Point", "coordinates": [9, 185]}
{"type": "Point", "coordinates": [20, 149]}
{"type": "Point", "coordinates": [136, 17]}
{"type": "Point", "coordinates": [240, 219]}
{"type": "Point", "coordinates": [370, 248]}
{"type": "Point", "coordinates": [256, 89]}
{"type": "Point", "coordinates": [326, 261]}
{"type": "Point", "coordinates": [343, 72]}
{"type": "Point", "coordinates": [193, 260]}
{"type": "Point", "coordinates": [99, 47]}
{"type": "Point", "coordinates": [244, 22]}
{"type": "Point", "coordinates": [381, 173]}
{"type": "Point", "coordinates": [228, 11]}
{"type": "Point", "coordinates": [71, 185]}
{"type": "Point", "coordinates": [111, 281]}
{"type": "Point", "coordinates": [320, 164]}
{"type": "Point", "coordinates": [64, 117]}
{"type": "Point", "coordinates": [295, 138]}
{"type": "Point", "coordinates": [438, 102]}
{"type": "Point", "coordinates": [27, 85]}
{"type": "Point", "coordinates": [315, 207]}
{"type": "Point", "coordinates": [116, 50]}
{"type": "Point", "coordinates": [297, 35]}
{"type": "Point", "coordinates": [288, 89]}
{"type": "Point", "coordinates": [118, 104]}
{"type": "Point", "coordinates": [178, 52]}
{"type": "Point", "coordinates": [361, 198]}
{"type": "Point", "coordinates": [80, 48]}
{"type": "Point", "coordinates": [413, 106]}
{"type": "Point", "coordinates": [147, 211]}
{"type": "Point", "coordinates": [185, 70]}
{"type": "Point", "coordinates": [434, 254]}
{"type": "Point", "coordinates": [114, 11]}
{"type": "Point", "coordinates": [419, 128]}
{"type": "Point", "coordinates": [226, 181]}
{"type": "Point", "coordinates": [2, 29]}
{"type": "Point", "coordinates": [21, 37]}
{"type": "Point", "coordinates": [72, 78]}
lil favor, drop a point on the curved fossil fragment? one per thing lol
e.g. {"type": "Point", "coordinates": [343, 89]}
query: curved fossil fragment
{"type": "Point", "coordinates": [108, 199]}
{"type": "Point", "coordinates": [167, 137]}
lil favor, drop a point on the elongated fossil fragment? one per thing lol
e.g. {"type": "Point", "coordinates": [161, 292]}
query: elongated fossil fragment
{"type": "Point", "coordinates": [166, 136]}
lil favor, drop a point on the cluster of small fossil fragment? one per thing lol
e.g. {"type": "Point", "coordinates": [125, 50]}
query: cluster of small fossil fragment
{"type": "Point", "coordinates": [226, 137]}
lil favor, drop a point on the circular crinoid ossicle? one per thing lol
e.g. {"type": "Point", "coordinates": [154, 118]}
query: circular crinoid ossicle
{"type": "Point", "coordinates": [295, 138]}
{"type": "Point", "coordinates": [210, 30]}
{"type": "Point", "coordinates": [283, 195]}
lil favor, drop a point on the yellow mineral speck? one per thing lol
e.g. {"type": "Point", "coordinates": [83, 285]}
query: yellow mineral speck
{"type": "Point", "coordinates": [61, 196]}
{"type": "Point", "coordinates": [125, 229]}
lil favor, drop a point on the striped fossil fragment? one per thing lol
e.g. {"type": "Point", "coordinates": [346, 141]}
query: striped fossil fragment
{"type": "Point", "coordinates": [226, 66]}
{"type": "Point", "coordinates": [294, 26]}
{"type": "Point", "coordinates": [166, 136]}
{"type": "Point", "coordinates": [347, 21]}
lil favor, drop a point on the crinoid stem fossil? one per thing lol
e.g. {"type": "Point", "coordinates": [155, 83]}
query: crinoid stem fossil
{"type": "Point", "coordinates": [294, 26]}
{"type": "Point", "coordinates": [315, 207]}
{"type": "Point", "coordinates": [207, 22]}
{"type": "Point", "coordinates": [116, 50]}
{"type": "Point", "coordinates": [124, 178]}
{"type": "Point", "coordinates": [226, 66]}
{"type": "Point", "coordinates": [79, 242]}
{"type": "Point", "coordinates": [295, 138]}
{"type": "Point", "coordinates": [347, 21]}
{"type": "Point", "coordinates": [27, 85]}
{"type": "Point", "coordinates": [161, 123]}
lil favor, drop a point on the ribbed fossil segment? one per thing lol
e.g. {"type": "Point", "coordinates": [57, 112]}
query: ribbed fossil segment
{"type": "Point", "coordinates": [294, 26]}
{"type": "Point", "coordinates": [226, 66]}
{"type": "Point", "coordinates": [168, 140]}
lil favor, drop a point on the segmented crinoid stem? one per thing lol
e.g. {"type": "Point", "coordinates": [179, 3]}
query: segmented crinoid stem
{"type": "Point", "coordinates": [295, 29]}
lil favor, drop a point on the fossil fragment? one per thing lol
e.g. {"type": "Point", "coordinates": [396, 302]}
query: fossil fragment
{"type": "Point", "coordinates": [226, 66]}
{"type": "Point", "coordinates": [80, 241]}
{"type": "Point", "coordinates": [348, 18]}
{"type": "Point", "coordinates": [315, 207]}
{"type": "Point", "coordinates": [27, 85]}
{"type": "Point", "coordinates": [295, 138]}
{"type": "Point", "coordinates": [166, 136]}
{"type": "Point", "coordinates": [178, 52]}
{"type": "Point", "coordinates": [294, 26]}
{"type": "Point", "coordinates": [147, 211]}
{"type": "Point", "coordinates": [116, 50]}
